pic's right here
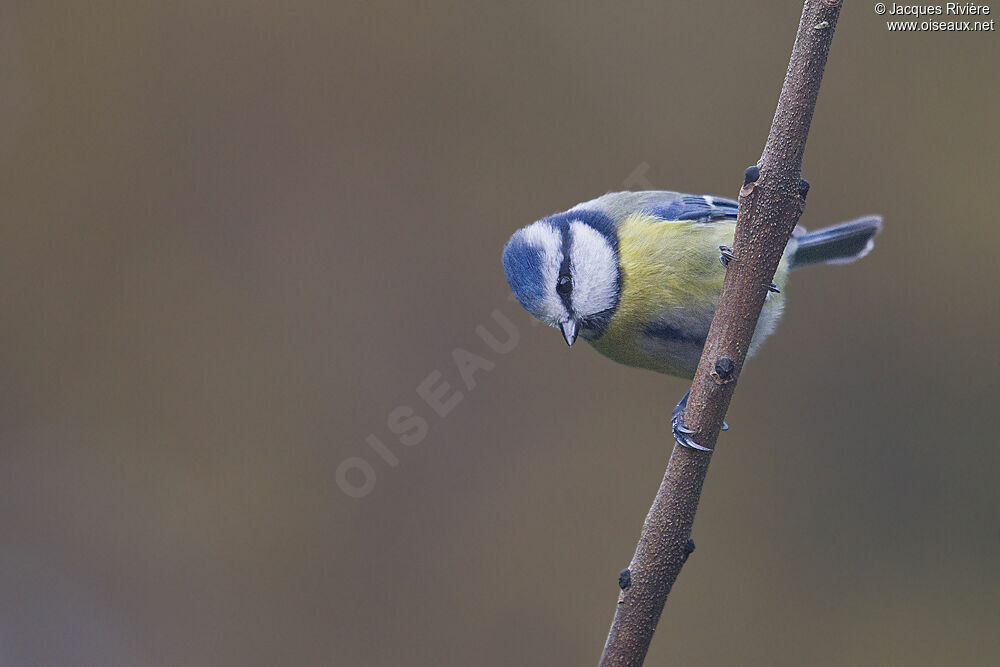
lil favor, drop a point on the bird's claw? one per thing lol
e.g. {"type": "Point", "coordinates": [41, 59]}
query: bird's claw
{"type": "Point", "coordinates": [682, 434]}
{"type": "Point", "coordinates": [773, 288]}
{"type": "Point", "coordinates": [727, 255]}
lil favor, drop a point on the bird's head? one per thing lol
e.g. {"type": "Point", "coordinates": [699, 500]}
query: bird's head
{"type": "Point", "coordinates": [564, 271]}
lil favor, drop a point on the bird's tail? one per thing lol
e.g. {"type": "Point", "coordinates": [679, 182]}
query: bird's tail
{"type": "Point", "coordinates": [839, 244]}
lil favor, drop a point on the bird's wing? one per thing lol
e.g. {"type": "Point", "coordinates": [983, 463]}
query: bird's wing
{"type": "Point", "coordinates": [664, 205]}
{"type": "Point", "coordinates": [695, 208]}
{"type": "Point", "coordinates": [620, 205]}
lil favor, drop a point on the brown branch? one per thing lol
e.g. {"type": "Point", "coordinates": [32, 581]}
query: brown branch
{"type": "Point", "coordinates": [770, 207]}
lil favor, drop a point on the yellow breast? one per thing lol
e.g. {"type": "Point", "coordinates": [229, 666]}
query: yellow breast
{"type": "Point", "coordinates": [671, 279]}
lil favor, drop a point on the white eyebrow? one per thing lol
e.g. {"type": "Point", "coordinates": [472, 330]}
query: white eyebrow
{"type": "Point", "coordinates": [548, 240]}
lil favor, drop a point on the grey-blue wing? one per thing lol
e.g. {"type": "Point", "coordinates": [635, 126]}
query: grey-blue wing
{"type": "Point", "coordinates": [696, 208]}
{"type": "Point", "coordinates": [663, 204]}
{"type": "Point", "coordinates": [619, 205]}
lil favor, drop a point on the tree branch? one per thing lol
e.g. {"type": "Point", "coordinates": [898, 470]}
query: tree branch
{"type": "Point", "coordinates": [771, 201]}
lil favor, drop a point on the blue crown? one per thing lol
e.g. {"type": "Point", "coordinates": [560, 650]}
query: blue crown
{"type": "Point", "coordinates": [522, 263]}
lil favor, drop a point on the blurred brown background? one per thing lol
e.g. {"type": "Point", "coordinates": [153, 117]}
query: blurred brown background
{"type": "Point", "coordinates": [236, 236]}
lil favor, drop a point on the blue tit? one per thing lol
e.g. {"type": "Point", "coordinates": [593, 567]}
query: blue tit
{"type": "Point", "coordinates": [638, 274]}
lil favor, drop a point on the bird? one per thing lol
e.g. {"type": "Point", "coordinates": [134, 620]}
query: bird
{"type": "Point", "coordinates": [638, 274]}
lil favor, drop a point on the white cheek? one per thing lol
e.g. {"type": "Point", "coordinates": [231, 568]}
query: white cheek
{"type": "Point", "coordinates": [595, 270]}
{"type": "Point", "coordinates": [546, 238]}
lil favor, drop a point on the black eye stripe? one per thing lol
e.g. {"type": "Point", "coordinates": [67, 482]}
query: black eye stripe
{"type": "Point", "coordinates": [564, 285]}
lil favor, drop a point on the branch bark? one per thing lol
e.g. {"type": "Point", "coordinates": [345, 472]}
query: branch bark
{"type": "Point", "coordinates": [770, 207]}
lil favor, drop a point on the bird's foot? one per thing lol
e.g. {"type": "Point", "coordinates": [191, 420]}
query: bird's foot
{"type": "Point", "coordinates": [773, 288]}
{"type": "Point", "coordinates": [727, 255]}
{"type": "Point", "coordinates": [682, 434]}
